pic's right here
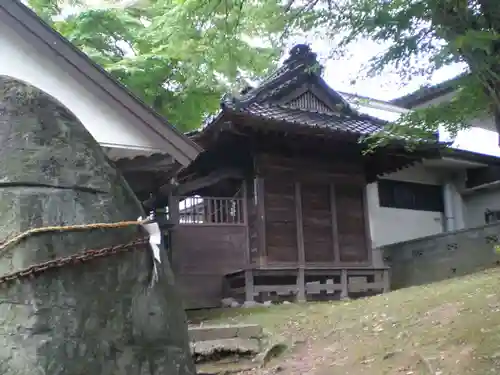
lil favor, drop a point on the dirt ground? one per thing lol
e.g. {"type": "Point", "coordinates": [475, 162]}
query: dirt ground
{"type": "Point", "coordinates": [447, 328]}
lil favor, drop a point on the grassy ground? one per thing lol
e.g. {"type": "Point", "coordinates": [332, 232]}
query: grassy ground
{"type": "Point", "coordinates": [447, 328]}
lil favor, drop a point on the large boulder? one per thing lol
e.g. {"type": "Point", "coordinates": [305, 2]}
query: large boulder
{"type": "Point", "coordinates": [103, 316]}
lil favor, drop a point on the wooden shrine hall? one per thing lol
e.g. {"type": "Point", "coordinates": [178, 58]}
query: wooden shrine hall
{"type": "Point", "coordinates": [275, 207]}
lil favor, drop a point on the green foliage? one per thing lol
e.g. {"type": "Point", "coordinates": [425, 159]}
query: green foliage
{"type": "Point", "coordinates": [179, 56]}
{"type": "Point", "coordinates": [422, 37]}
{"type": "Point", "coordinates": [454, 115]}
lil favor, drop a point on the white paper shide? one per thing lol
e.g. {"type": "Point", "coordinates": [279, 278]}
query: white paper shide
{"type": "Point", "coordinates": [154, 232]}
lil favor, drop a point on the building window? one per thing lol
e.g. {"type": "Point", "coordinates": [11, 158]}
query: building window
{"type": "Point", "coordinates": [410, 196]}
{"type": "Point", "coordinates": [491, 216]}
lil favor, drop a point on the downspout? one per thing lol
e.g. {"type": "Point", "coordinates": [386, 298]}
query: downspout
{"type": "Point", "coordinates": [449, 212]}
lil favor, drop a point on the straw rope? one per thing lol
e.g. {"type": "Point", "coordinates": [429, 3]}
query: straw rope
{"type": "Point", "coordinates": [66, 228]}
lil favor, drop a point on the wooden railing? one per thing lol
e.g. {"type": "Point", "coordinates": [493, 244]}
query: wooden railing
{"type": "Point", "coordinates": [310, 283]}
{"type": "Point", "coordinates": [212, 211]}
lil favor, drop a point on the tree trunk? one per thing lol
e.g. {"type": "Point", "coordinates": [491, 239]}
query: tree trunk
{"type": "Point", "coordinates": [455, 20]}
{"type": "Point", "coordinates": [99, 317]}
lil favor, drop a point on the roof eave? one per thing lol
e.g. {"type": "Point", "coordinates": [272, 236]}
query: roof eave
{"type": "Point", "coordinates": [470, 156]}
{"type": "Point", "coordinates": [426, 94]}
{"type": "Point", "coordinates": [236, 116]}
{"type": "Point", "coordinates": [42, 37]}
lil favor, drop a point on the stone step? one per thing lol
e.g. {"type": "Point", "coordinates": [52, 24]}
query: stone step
{"type": "Point", "coordinates": [232, 346]}
{"type": "Point", "coordinates": [225, 349]}
{"type": "Point", "coordinates": [225, 368]}
{"type": "Point", "coordinates": [223, 332]}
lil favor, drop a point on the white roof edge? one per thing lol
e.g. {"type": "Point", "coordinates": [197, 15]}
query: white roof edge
{"type": "Point", "coordinates": [374, 103]}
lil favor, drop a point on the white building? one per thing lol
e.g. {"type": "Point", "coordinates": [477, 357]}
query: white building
{"type": "Point", "coordinates": [457, 191]}
{"type": "Point", "coordinates": [32, 52]}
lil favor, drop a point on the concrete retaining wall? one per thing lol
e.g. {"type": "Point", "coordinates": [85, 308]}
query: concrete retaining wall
{"type": "Point", "coordinates": [443, 256]}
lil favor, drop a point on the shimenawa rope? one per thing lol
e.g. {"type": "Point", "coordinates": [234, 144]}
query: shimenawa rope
{"type": "Point", "coordinates": [66, 228]}
{"type": "Point", "coordinates": [78, 257]}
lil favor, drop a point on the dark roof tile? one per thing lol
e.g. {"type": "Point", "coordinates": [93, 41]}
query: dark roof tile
{"type": "Point", "coordinates": [273, 99]}
{"type": "Point", "coordinates": [337, 122]}
{"type": "Point", "coordinates": [428, 93]}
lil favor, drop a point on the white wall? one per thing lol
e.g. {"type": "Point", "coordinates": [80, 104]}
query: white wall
{"type": "Point", "coordinates": [478, 202]}
{"type": "Point", "coordinates": [390, 225]}
{"type": "Point", "coordinates": [109, 127]}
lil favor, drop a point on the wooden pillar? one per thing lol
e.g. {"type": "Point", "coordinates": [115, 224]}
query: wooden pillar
{"type": "Point", "coordinates": [209, 210]}
{"type": "Point", "coordinates": [368, 235]}
{"type": "Point", "coordinates": [300, 225]}
{"type": "Point", "coordinates": [248, 259]}
{"type": "Point", "coordinates": [173, 208]}
{"type": "Point", "coordinates": [301, 284]}
{"type": "Point", "coordinates": [261, 220]}
{"type": "Point", "coordinates": [335, 230]}
{"type": "Point", "coordinates": [249, 287]}
{"type": "Point", "coordinates": [344, 280]}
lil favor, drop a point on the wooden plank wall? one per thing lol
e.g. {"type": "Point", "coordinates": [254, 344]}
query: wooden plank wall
{"type": "Point", "coordinates": [317, 222]}
{"type": "Point", "coordinates": [280, 221]}
{"type": "Point", "coordinates": [331, 208]}
{"type": "Point", "coordinates": [201, 256]}
{"type": "Point", "coordinates": [351, 224]}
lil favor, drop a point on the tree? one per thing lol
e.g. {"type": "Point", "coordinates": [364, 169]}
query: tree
{"type": "Point", "coordinates": [423, 36]}
{"type": "Point", "coordinates": [179, 56]}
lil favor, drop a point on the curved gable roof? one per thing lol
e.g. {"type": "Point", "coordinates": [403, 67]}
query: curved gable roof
{"type": "Point", "coordinates": [297, 94]}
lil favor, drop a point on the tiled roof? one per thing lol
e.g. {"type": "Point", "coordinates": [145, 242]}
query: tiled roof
{"type": "Point", "coordinates": [429, 93]}
{"type": "Point", "coordinates": [273, 99]}
{"type": "Point", "coordinates": [297, 94]}
{"type": "Point", "coordinates": [333, 121]}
